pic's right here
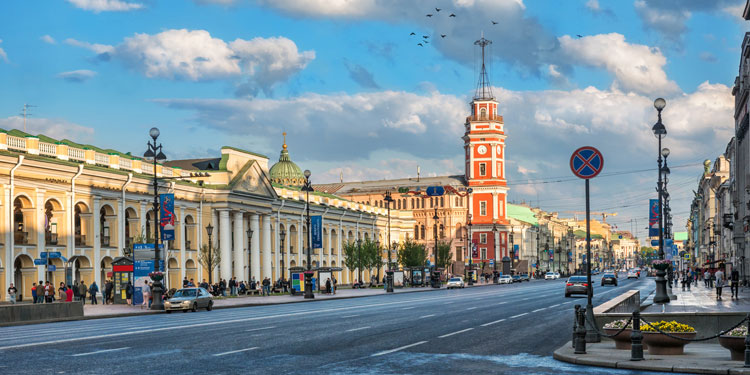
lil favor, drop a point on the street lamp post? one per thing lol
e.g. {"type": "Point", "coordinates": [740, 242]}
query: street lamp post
{"type": "Point", "coordinates": [660, 131]}
{"type": "Point", "coordinates": [436, 273]}
{"type": "Point", "coordinates": [307, 188]}
{"type": "Point", "coordinates": [282, 235]}
{"type": "Point", "coordinates": [154, 151]}
{"type": "Point", "coordinates": [538, 265]}
{"type": "Point", "coordinates": [359, 260]}
{"type": "Point", "coordinates": [494, 266]}
{"type": "Point", "coordinates": [546, 253]}
{"type": "Point", "coordinates": [389, 272]}
{"type": "Point", "coordinates": [249, 253]}
{"type": "Point", "coordinates": [209, 231]}
{"type": "Point", "coordinates": [471, 251]}
{"type": "Point", "coordinates": [512, 251]}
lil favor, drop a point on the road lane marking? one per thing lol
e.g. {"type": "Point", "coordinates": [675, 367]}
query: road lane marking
{"type": "Point", "coordinates": [99, 351]}
{"type": "Point", "coordinates": [525, 299]}
{"type": "Point", "coordinates": [357, 329]}
{"type": "Point", "coordinates": [397, 349]}
{"type": "Point", "coordinates": [408, 308]}
{"type": "Point", "coordinates": [259, 329]}
{"type": "Point", "coordinates": [519, 315]}
{"type": "Point", "coordinates": [491, 323]}
{"type": "Point", "coordinates": [556, 305]}
{"type": "Point", "coordinates": [538, 310]}
{"type": "Point", "coordinates": [455, 333]}
{"type": "Point", "coordinates": [426, 316]}
{"type": "Point", "coordinates": [471, 308]}
{"type": "Point", "coordinates": [235, 351]}
{"type": "Point", "coordinates": [501, 303]}
{"type": "Point", "coordinates": [350, 316]}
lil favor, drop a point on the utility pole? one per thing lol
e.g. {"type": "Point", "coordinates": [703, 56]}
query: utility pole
{"type": "Point", "coordinates": [25, 113]}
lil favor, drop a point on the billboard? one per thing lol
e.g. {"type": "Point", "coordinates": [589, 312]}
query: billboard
{"type": "Point", "coordinates": [316, 224]}
{"type": "Point", "coordinates": [653, 217]}
{"type": "Point", "coordinates": [166, 214]}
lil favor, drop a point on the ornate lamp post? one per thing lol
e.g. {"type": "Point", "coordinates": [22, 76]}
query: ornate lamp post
{"type": "Point", "coordinates": [249, 253]}
{"type": "Point", "coordinates": [435, 279]}
{"type": "Point", "coordinates": [660, 131]}
{"type": "Point", "coordinates": [282, 235]}
{"type": "Point", "coordinates": [494, 236]}
{"type": "Point", "coordinates": [546, 252]}
{"type": "Point", "coordinates": [471, 251]}
{"type": "Point", "coordinates": [538, 265]}
{"type": "Point", "coordinates": [154, 152]}
{"type": "Point", "coordinates": [209, 231]}
{"type": "Point", "coordinates": [512, 251]}
{"type": "Point", "coordinates": [307, 188]}
{"type": "Point", "coordinates": [389, 271]}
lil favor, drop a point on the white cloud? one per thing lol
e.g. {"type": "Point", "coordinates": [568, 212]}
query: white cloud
{"type": "Point", "coordinates": [258, 64]}
{"type": "Point", "coordinates": [669, 17]}
{"type": "Point", "coordinates": [593, 5]}
{"type": "Point", "coordinates": [55, 128]}
{"type": "Point", "coordinates": [77, 76]}
{"type": "Point", "coordinates": [48, 39]}
{"type": "Point", "coordinates": [3, 55]}
{"type": "Point", "coordinates": [635, 67]}
{"type": "Point", "coordinates": [106, 5]}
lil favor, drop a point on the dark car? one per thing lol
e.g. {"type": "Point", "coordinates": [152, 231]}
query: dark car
{"type": "Point", "coordinates": [517, 278]}
{"type": "Point", "coordinates": [576, 285]}
{"type": "Point", "coordinates": [609, 279]}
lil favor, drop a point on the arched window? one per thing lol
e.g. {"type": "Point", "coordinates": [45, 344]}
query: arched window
{"type": "Point", "coordinates": [412, 203]}
{"type": "Point", "coordinates": [432, 202]}
{"type": "Point", "coordinates": [457, 202]}
{"type": "Point", "coordinates": [483, 113]}
{"type": "Point", "coordinates": [404, 201]}
{"type": "Point", "coordinates": [399, 204]}
{"type": "Point", "coordinates": [442, 201]}
{"type": "Point", "coordinates": [416, 232]}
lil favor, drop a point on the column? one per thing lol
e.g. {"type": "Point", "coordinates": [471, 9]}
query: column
{"type": "Point", "coordinates": [182, 243]}
{"type": "Point", "coordinates": [497, 248]}
{"type": "Point", "coordinates": [493, 152]}
{"type": "Point", "coordinates": [239, 246]}
{"type": "Point", "coordinates": [40, 238]}
{"type": "Point", "coordinates": [255, 250]}
{"type": "Point", "coordinates": [287, 254]}
{"type": "Point", "coordinates": [142, 216]}
{"type": "Point", "coordinates": [97, 242]}
{"type": "Point", "coordinates": [267, 246]}
{"type": "Point", "coordinates": [225, 231]}
{"type": "Point", "coordinates": [494, 206]}
{"type": "Point", "coordinates": [8, 220]}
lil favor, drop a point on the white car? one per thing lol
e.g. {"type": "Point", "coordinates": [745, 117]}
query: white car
{"type": "Point", "coordinates": [455, 282]}
{"type": "Point", "coordinates": [505, 279]}
{"type": "Point", "coordinates": [557, 275]}
{"type": "Point", "coordinates": [632, 274]}
{"type": "Point", "coordinates": [549, 276]}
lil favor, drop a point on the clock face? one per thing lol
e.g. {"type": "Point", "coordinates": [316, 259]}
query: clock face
{"type": "Point", "coordinates": [482, 149]}
{"type": "Point", "coordinates": [499, 149]}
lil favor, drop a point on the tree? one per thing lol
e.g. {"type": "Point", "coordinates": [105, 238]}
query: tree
{"type": "Point", "coordinates": [209, 262]}
{"type": "Point", "coordinates": [138, 238]}
{"type": "Point", "coordinates": [360, 255]}
{"type": "Point", "coordinates": [412, 254]}
{"type": "Point", "coordinates": [444, 257]}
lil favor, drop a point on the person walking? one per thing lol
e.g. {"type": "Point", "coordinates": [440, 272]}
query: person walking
{"type": "Point", "coordinates": [233, 286]}
{"type": "Point", "coordinates": [12, 291]}
{"type": "Point", "coordinates": [82, 290]}
{"type": "Point", "coordinates": [734, 283]}
{"type": "Point", "coordinates": [33, 293]}
{"type": "Point", "coordinates": [719, 275]}
{"type": "Point", "coordinates": [146, 290]}
{"type": "Point", "coordinates": [334, 285]}
{"type": "Point", "coordinates": [110, 286]}
{"type": "Point", "coordinates": [129, 293]}
{"type": "Point", "coordinates": [706, 277]}
{"type": "Point", "coordinates": [93, 289]}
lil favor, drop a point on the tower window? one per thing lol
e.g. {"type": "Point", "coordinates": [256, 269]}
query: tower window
{"type": "Point", "coordinates": [483, 113]}
{"type": "Point", "coordinates": [483, 208]}
{"type": "Point", "coordinates": [484, 253]}
{"type": "Point", "coordinates": [482, 237]}
{"type": "Point", "coordinates": [482, 169]}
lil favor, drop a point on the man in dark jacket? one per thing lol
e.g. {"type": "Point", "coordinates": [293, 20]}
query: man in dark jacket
{"type": "Point", "coordinates": [734, 283]}
{"type": "Point", "coordinates": [82, 291]}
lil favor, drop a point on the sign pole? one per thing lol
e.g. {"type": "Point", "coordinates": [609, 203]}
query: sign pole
{"type": "Point", "coordinates": [592, 335]}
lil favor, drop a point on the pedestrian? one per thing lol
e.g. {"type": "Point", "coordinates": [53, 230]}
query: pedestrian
{"type": "Point", "coordinates": [82, 290]}
{"type": "Point", "coordinates": [69, 294]}
{"type": "Point", "coordinates": [223, 287]}
{"type": "Point", "coordinates": [61, 292]}
{"type": "Point", "coordinates": [191, 284]}
{"type": "Point", "coordinates": [76, 295]}
{"type": "Point", "coordinates": [233, 286]}
{"type": "Point", "coordinates": [335, 282]}
{"type": "Point", "coordinates": [33, 292]}
{"type": "Point", "coordinates": [93, 289]}
{"type": "Point", "coordinates": [48, 292]}
{"type": "Point", "coordinates": [146, 290]}
{"type": "Point", "coordinates": [185, 282]}
{"type": "Point", "coordinates": [706, 277]}
{"type": "Point", "coordinates": [109, 287]}
{"type": "Point", "coordinates": [328, 286]}
{"type": "Point", "coordinates": [719, 276]}
{"type": "Point", "coordinates": [12, 291]}
{"type": "Point", "coordinates": [734, 283]}
{"type": "Point", "coordinates": [129, 293]}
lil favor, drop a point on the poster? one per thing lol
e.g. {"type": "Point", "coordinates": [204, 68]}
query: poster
{"type": "Point", "coordinates": [166, 214]}
{"type": "Point", "coordinates": [653, 217]}
{"type": "Point", "coordinates": [398, 279]}
{"type": "Point", "coordinates": [316, 223]}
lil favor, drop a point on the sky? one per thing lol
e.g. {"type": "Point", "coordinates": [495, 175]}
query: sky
{"type": "Point", "coordinates": [359, 97]}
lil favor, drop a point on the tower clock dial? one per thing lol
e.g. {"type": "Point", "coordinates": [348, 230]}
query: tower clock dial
{"type": "Point", "coordinates": [482, 149]}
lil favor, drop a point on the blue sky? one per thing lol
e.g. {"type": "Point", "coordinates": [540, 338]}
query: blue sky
{"type": "Point", "coordinates": [357, 94]}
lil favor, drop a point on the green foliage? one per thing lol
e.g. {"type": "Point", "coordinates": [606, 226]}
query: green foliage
{"type": "Point", "coordinates": [412, 254]}
{"type": "Point", "coordinates": [140, 237]}
{"type": "Point", "coordinates": [444, 258]}
{"type": "Point", "coordinates": [365, 257]}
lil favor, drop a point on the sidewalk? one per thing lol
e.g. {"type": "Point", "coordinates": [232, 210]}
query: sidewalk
{"type": "Point", "coordinates": [701, 299]}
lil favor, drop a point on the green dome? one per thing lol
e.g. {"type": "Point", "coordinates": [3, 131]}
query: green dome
{"type": "Point", "coordinates": [285, 172]}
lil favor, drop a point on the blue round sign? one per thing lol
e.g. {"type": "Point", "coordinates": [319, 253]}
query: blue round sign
{"type": "Point", "coordinates": [586, 162]}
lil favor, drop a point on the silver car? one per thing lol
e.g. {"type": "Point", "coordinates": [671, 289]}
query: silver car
{"type": "Point", "coordinates": [455, 282]}
{"type": "Point", "coordinates": [189, 299]}
{"type": "Point", "coordinates": [576, 285]}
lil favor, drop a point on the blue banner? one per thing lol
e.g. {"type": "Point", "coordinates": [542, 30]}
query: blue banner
{"type": "Point", "coordinates": [653, 217]}
{"type": "Point", "coordinates": [435, 191]}
{"type": "Point", "coordinates": [166, 210]}
{"type": "Point", "coordinates": [146, 246]}
{"type": "Point", "coordinates": [141, 269]}
{"type": "Point", "coordinates": [316, 224]}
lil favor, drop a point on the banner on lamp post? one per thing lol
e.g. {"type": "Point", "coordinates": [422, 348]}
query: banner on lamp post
{"type": "Point", "coordinates": [316, 226]}
{"type": "Point", "coordinates": [653, 217]}
{"type": "Point", "coordinates": [166, 211]}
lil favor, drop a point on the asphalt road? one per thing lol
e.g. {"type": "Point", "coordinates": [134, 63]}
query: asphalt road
{"type": "Point", "coordinates": [492, 329]}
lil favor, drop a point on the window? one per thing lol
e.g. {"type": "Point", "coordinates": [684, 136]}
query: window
{"type": "Point", "coordinates": [416, 232]}
{"type": "Point", "coordinates": [482, 237]}
{"type": "Point", "coordinates": [483, 113]}
{"type": "Point", "coordinates": [460, 253]}
{"type": "Point", "coordinates": [442, 201]}
{"type": "Point", "coordinates": [458, 202]}
{"type": "Point", "coordinates": [399, 204]}
{"type": "Point", "coordinates": [442, 231]}
{"type": "Point", "coordinates": [412, 203]}
{"type": "Point", "coordinates": [482, 169]}
{"type": "Point", "coordinates": [432, 202]}
{"type": "Point", "coordinates": [484, 253]}
{"type": "Point", "coordinates": [421, 234]}
{"type": "Point", "coordinates": [404, 203]}
{"type": "Point", "coordinates": [483, 208]}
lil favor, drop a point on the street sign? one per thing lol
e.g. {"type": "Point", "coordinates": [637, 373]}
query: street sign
{"type": "Point", "coordinates": [40, 262]}
{"type": "Point", "coordinates": [52, 268]}
{"type": "Point", "coordinates": [52, 254]}
{"type": "Point", "coordinates": [492, 261]}
{"type": "Point", "coordinates": [586, 162]}
{"type": "Point", "coordinates": [435, 191]}
{"type": "Point", "coordinates": [654, 242]}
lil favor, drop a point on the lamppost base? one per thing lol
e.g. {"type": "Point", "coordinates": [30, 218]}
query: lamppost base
{"type": "Point", "coordinates": [661, 288]}
{"type": "Point", "coordinates": [156, 294]}
{"type": "Point", "coordinates": [309, 286]}
{"type": "Point", "coordinates": [592, 335]}
{"type": "Point", "coordinates": [389, 281]}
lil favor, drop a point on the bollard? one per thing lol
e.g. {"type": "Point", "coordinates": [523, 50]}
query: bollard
{"type": "Point", "coordinates": [747, 342]}
{"type": "Point", "coordinates": [575, 325]}
{"type": "Point", "coordinates": [636, 338]}
{"type": "Point", "coordinates": [580, 342]}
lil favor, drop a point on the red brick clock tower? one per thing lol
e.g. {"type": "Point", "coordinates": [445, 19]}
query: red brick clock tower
{"type": "Point", "coordinates": [484, 145]}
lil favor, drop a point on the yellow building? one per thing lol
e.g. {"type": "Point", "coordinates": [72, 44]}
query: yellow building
{"type": "Point", "coordinates": [90, 204]}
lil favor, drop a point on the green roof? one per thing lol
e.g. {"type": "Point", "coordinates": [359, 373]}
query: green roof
{"type": "Point", "coordinates": [680, 236]}
{"type": "Point", "coordinates": [522, 213]}
{"type": "Point", "coordinates": [582, 234]}
{"type": "Point", "coordinates": [285, 171]}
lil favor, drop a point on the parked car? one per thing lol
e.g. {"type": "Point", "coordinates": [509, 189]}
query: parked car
{"type": "Point", "coordinates": [516, 278]}
{"type": "Point", "coordinates": [455, 282]}
{"type": "Point", "coordinates": [609, 278]}
{"type": "Point", "coordinates": [525, 277]}
{"type": "Point", "coordinates": [504, 279]}
{"type": "Point", "coordinates": [633, 274]}
{"type": "Point", "coordinates": [549, 276]}
{"type": "Point", "coordinates": [189, 299]}
{"type": "Point", "coordinates": [576, 285]}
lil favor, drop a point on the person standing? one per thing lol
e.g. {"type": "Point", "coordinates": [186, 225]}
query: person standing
{"type": "Point", "coordinates": [12, 291]}
{"type": "Point", "coordinates": [233, 286]}
{"type": "Point", "coordinates": [734, 283]}
{"type": "Point", "coordinates": [185, 282]}
{"type": "Point", "coordinates": [93, 289]}
{"type": "Point", "coordinates": [69, 294]}
{"type": "Point", "coordinates": [82, 290]}
{"type": "Point", "coordinates": [146, 296]}
{"type": "Point", "coordinates": [33, 292]}
{"type": "Point", "coordinates": [328, 286]}
{"type": "Point", "coordinates": [61, 292]}
{"type": "Point", "coordinates": [129, 293]}
{"type": "Point", "coordinates": [719, 276]}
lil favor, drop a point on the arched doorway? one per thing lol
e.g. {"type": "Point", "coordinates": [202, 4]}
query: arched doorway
{"type": "Point", "coordinates": [173, 273]}
{"type": "Point", "coordinates": [24, 274]}
{"type": "Point", "coordinates": [105, 269]}
{"type": "Point", "coordinates": [81, 269]}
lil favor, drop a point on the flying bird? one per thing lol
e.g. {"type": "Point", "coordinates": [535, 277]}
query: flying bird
{"type": "Point", "coordinates": [429, 15]}
{"type": "Point", "coordinates": [420, 44]}
{"type": "Point", "coordinates": [452, 15]}
{"type": "Point", "coordinates": [413, 34]}
{"type": "Point", "coordinates": [579, 35]}
{"type": "Point", "coordinates": [425, 36]}
{"type": "Point", "coordinates": [425, 42]}
{"type": "Point", "coordinates": [437, 9]}
{"type": "Point", "coordinates": [494, 23]}
{"type": "Point", "coordinates": [442, 35]}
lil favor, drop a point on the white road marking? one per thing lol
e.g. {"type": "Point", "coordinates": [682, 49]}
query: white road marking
{"type": "Point", "coordinates": [350, 316]}
{"type": "Point", "coordinates": [516, 316]}
{"type": "Point", "coordinates": [235, 351]}
{"type": "Point", "coordinates": [556, 305]}
{"type": "Point", "coordinates": [455, 333]}
{"type": "Point", "coordinates": [538, 310]}
{"type": "Point", "coordinates": [357, 329]}
{"type": "Point", "coordinates": [501, 303]}
{"type": "Point", "coordinates": [99, 351]}
{"type": "Point", "coordinates": [565, 303]}
{"type": "Point", "coordinates": [471, 308]}
{"type": "Point", "coordinates": [426, 316]}
{"type": "Point", "coordinates": [491, 323]}
{"type": "Point", "coordinates": [259, 329]}
{"type": "Point", "coordinates": [397, 349]}
{"type": "Point", "coordinates": [408, 308]}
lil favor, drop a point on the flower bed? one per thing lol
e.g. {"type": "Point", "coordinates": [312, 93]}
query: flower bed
{"type": "Point", "coordinates": [661, 264]}
{"type": "Point", "coordinates": [156, 276]}
{"type": "Point", "coordinates": [734, 340]}
{"type": "Point", "coordinates": [622, 340]}
{"type": "Point", "coordinates": [661, 344]}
